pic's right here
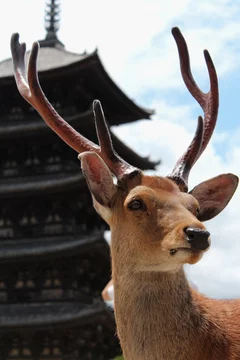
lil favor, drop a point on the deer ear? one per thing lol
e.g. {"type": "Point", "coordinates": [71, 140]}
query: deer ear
{"type": "Point", "coordinates": [213, 195]}
{"type": "Point", "coordinates": [99, 179]}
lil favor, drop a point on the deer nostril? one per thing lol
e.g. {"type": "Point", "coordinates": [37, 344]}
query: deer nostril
{"type": "Point", "coordinates": [197, 238]}
{"type": "Point", "coordinates": [191, 235]}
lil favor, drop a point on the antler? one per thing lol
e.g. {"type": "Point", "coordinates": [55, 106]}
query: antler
{"type": "Point", "coordinates": [29, 87]}
{"type": "Point", "coordinates": [209, 103]}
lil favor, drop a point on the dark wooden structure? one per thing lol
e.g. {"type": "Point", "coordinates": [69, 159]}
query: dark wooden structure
{"type": "Point", "coordinates": [54, 260]}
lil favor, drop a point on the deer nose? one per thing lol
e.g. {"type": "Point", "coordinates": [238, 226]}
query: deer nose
{"type": "Point", "coordinates": [197, 238]}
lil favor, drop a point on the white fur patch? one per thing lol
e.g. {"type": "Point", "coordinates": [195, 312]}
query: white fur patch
{"type": "Point", "coordinates": [104, 211]}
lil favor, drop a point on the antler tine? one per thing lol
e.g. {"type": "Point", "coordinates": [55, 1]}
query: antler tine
{"type": "Point", "coordinates": [29, 87]}
{"type": "Point", "coordinates": [18, 53]}
{"type": "Point", "coordinates": [182, 168]}
{"type": "Point", "coordinates": [186, 68]}
{"type": "Point", "coordinates": [211, 102]}
{"type": "Point", "coordinates": [208, 101]}
{"type": "Point", "coordinates": [105, 142]}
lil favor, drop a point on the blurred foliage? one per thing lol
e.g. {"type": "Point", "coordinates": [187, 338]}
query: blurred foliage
{"type": "Point", "coordinates": [119, 358]}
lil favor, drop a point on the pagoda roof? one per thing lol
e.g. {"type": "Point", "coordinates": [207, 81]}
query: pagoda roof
{"type": "Point", "coordinates": [39, 185]}
{"type": "Point", "coordinates": [49, 58]}
{"type": "Point", "coordinates": [49, 247]}
{"type": "Point", "coordinates": [55, 58]}
{"type": "Point", "coordinates": [32, 126]}
{"type": "Point", "coordinates": [44, 315]}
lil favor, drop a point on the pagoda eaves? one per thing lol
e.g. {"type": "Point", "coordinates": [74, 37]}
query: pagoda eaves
{"type": "Point", "coordinates": [54, 61]}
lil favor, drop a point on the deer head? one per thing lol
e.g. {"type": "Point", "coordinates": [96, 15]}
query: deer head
{"type": "Point", "coordinates": [156, 222]}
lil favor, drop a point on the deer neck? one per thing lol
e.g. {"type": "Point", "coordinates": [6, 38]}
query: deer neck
{"type": "Point", "coordinates": [156, 315]}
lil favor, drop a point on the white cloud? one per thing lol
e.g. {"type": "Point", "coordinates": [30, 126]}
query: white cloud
{"type": "Point", "coordinates": [136, 44]}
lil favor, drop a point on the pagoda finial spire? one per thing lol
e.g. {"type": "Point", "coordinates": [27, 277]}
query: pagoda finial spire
{"type": "Point", "coordinates": [52, 18]}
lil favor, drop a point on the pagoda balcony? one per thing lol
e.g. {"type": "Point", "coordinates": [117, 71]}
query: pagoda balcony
{"type": "Point", "coordinates": [81, 277]}
{"type": "Point", "coordinates": [59, 214]}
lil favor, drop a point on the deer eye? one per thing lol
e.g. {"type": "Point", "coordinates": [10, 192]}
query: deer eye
{"type": "Point", "coordinates": [136, 204]}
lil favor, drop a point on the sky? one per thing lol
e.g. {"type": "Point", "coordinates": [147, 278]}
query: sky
{"type": "Point", "coordinates": [135, 44]}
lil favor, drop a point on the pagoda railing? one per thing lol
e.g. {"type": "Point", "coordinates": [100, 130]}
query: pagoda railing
{"type": "Point", "coordinates": [80, 278]}
{"type": "Point", "coordinates": [48, 216]}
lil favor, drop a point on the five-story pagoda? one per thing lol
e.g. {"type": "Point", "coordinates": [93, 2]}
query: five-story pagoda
{"type": "Point", "coordinates": [54, 260]}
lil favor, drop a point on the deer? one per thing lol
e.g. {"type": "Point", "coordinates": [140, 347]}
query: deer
{"type": "Point", "coordinates": [157, 226]}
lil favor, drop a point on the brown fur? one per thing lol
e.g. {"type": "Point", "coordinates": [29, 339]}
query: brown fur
{"type": "Point", "coordinates": [158, 315]}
